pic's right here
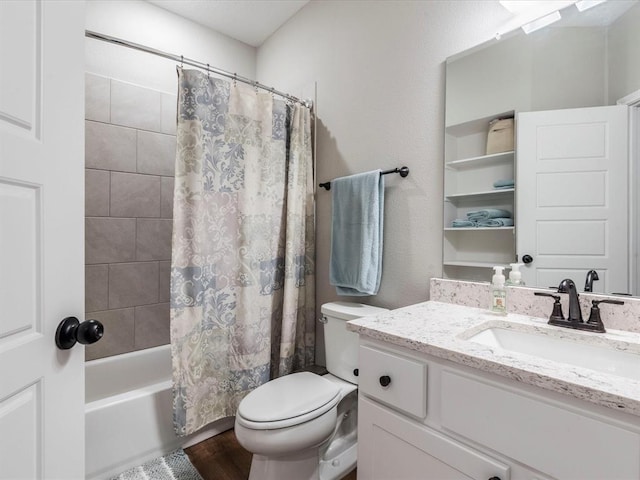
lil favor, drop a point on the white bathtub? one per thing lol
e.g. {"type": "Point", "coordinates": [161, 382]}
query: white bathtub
{"type": "Point", "coordinates": [129, 413]}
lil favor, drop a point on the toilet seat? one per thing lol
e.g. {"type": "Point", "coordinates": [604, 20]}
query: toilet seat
{"type": "Point", "coordinates": [288, 401]}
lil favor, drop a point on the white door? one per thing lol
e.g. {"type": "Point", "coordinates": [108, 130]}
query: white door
{"type": "Point", "coordinates": [41, 237]}
{"type": "Point", "coordinates": [572, 196]}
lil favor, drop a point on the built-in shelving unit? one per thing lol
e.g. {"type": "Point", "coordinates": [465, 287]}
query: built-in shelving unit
{"type": "Point", "coordinates": [470, 252]}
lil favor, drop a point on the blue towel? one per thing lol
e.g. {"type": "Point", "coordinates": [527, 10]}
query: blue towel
{"type": "Point", "coordinates": [496, 222]}
{"type": "Point", "coordinates": [356, 233]}
{"type": "Point", "coordinates": [459, 223]}
{"type": "Point", "coordinates": [506, 183]}
{"type": "Point", "coordinates": [487, 214]}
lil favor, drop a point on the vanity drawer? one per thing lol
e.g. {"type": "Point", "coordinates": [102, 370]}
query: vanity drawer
{"type": "Point", "coordinates": [397, 381]}
{"type": "Point", "coordinates": [558, 441]}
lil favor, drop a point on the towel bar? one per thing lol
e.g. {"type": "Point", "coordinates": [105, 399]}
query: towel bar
{"type": "Point", "coordinates": [403, 171]}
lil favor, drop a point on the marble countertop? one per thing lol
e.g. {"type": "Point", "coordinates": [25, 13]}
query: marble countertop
{"type": "Point", "coordinates": [442, 330]}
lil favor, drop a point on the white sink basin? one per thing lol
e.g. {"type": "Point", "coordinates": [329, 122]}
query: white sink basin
{"type": "Point", "coordinates": [601, 358]}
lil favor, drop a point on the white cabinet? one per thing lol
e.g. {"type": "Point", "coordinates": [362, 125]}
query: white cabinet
{"type": "Point", "coordinates": [562, 442]}
{"type": "Point", "coordinates": [469, 185]}
{"type": "Point", "coordinates": [390, 446]}
{"type": "Point", "coordinates": [480, 426]}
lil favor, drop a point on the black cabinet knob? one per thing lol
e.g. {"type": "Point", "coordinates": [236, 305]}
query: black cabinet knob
{"type": "Point", "coordinates": [355, 372]}
{"type": "Point", "coordinates": [526, 259]}
{"type": "Point", "coordinates": [385, 380]}
{"type": "Point", "coordinates": [494, 478]}
{"type": "Point", "coordinates": [71, 331]}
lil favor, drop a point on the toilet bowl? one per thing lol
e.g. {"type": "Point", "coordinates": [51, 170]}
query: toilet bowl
{"type": "Point", "coordinates": [294, 412]}
{"type": "Point", "coordinates": [303, 426]}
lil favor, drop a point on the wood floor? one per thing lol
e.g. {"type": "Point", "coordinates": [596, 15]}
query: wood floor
{"type": "Point", "coordinates": [222, 458]}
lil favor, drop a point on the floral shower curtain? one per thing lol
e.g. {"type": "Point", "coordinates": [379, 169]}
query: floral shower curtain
{"type": "Point", "coordinates": [242, 267]}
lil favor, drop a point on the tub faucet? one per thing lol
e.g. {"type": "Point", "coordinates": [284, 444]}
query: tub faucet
{"type": "Point", "coordinates": [575, 313]}
{"type": "Point", "coordinates": [592, 275]}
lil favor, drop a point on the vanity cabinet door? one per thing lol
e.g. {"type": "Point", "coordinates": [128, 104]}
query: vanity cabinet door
{"type": "Point", "coordinates": [565, 443]}
{"type": "Point", "coordinates": [390, 446]}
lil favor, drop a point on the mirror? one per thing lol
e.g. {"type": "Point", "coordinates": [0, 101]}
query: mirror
{"type": "Point", "coordinates": [589, 58]}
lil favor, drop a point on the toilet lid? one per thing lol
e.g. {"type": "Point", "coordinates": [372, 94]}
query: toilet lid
{"type": "Point", "coordinates": [289, 397]}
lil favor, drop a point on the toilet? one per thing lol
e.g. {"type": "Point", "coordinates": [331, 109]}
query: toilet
{"type": "Point", "coordinates": [303, 426]}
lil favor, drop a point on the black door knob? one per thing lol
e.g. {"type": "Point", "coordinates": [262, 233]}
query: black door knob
{"type": "Point", "coordinates": [385, 380]}
{"type": "Point", "coordinates": [527, 259]}
{"type": "Point", "coordinates": [70, 331]}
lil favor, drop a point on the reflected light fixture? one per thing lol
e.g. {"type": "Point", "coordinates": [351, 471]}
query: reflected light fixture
{"type": "Point", "coordinates": [583, 5]}
{"type": "Point", "coordinates": [541, 22]}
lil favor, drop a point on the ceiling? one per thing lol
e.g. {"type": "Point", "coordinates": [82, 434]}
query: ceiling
{"type": "Point", "coordinates": [250, 21]}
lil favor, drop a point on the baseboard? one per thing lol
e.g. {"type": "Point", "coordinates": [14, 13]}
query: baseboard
{"type": "Point", "coordinates": [208, 431]}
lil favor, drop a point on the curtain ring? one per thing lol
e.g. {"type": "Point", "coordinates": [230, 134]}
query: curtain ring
{"type": "Point", "coordinates": [235, 80]}
{"type": "Point", "coordinates": [181, 61]}
{"type": "Point", "coordinates": [207, 70]}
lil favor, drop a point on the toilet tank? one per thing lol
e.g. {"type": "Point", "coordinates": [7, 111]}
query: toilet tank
{"type": "Point", "coordinates": [340, 345]}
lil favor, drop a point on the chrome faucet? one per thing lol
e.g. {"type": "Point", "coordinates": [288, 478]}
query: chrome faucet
{"type": "Point", "coordinates": [592, 275]}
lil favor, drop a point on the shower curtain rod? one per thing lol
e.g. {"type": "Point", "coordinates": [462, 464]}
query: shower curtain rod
{"type": "Point", "coordinates": [203, 66]}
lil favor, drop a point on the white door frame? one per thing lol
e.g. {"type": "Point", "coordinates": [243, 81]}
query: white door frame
{"type": "Point", "coordinates": [633, 102]}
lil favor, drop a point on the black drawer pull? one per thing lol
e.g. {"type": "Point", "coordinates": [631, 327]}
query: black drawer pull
{"type": "Point", "coordinates": [385, 380]}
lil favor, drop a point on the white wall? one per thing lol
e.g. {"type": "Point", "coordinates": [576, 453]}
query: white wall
{"type": "Point", "coordinates": [146, 24]}
{"type": "Point", "coordinates": [379, 67]}
{"type": "Point", "coordinates": [624, 55]}
{"type": "Point", "coordinates": [529, 72]}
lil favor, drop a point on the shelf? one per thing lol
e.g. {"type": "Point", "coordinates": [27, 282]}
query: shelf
{"type": "Point", "coordinates": [477, 125]}
{"type": "Point", "coordinates": [447, 263]}
{"type": "Point", "coordinates": [488, 194]}
{"type": "Point", "coordinates": [476, 229]}
{"type": "Point", "coordinates": [482, 160]}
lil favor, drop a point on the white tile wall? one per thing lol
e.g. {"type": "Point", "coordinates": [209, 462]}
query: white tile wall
{"type": "Point", "coordinates": [130, 160]}
{"type": "Point", "coordinates": [110, 147]}
{"type": "Point", "coordinates": [96, 197]}
{"type": "Point", "coordinates": [97, 104]}
{"type": "Point", "coordinates": [156, 153]}
{"type": "Point", "coordinates": [134, 195]}
{"type": "Point", "coordinates": [134, 106]}
{"type": "Point", "coordinates": [168, 114]}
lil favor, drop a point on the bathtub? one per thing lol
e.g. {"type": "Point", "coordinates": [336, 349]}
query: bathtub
{"type": "Point", "coordinates": [128, 412]}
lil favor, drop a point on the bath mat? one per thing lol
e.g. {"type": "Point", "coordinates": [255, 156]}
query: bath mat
{"type": "Point", "coordinates": [174, 466]}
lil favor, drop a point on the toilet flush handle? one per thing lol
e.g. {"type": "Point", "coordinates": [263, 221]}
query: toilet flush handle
{"type": "Point", "coordinates": [323, 320]}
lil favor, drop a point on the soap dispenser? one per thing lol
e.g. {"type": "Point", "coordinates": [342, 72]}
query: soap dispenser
{"type": "Point", "coordinates": [498, 292]}
{"type": "Point", "coordinates": [515, 275]}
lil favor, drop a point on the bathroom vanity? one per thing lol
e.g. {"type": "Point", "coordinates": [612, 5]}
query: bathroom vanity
{"type": "Point", "coordinates": [454, 392]}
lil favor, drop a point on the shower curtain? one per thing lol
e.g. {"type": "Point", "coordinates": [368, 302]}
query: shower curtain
{"type": "Point", "coordinates": [242, 266]}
